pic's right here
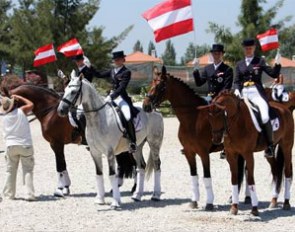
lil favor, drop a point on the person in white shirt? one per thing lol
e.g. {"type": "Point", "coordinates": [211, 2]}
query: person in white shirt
{"type": "Point", "coordinates": [19, 146]}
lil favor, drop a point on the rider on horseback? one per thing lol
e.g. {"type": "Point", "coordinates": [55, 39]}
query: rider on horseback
{"type": "Point", "coordinates": [248, 84]}
{"type": "Point", "coordinates": [120, 77]}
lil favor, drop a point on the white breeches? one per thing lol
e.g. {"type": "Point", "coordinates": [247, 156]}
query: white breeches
{"type": "Point", "coordinates": [124, 107]}
{"type": "Point", "coordinates": [253, 95]}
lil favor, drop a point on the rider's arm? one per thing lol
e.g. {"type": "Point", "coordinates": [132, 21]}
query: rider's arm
{"type": "Point", "coordinates": [101, 74]}
{"type": "Point", "coordinates": [126, 76]}
{"type": "Point", "coordinates": [27, 105]}
{"type": "Point", "coordinates": [272, 72]}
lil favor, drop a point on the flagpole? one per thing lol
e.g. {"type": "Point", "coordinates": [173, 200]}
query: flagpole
{"type": "Point", "coordinates": [194, 34]}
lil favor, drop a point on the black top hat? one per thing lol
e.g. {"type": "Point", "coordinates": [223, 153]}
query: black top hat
{"type": "Point", "coordinates": [78, 57]}
{"type": "Point", "coordinates": [248, 42]}
{"type": "Point", "coordinates": [217, 48]}
{"type": "Point", "coordinates": [119, 54]}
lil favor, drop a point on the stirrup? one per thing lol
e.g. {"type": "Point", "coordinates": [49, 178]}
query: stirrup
{"type": "Point", "coordinates": [132, 147]}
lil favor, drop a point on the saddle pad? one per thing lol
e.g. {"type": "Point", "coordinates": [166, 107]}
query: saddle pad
{"type": "Point", "coordinates": [253, 111]}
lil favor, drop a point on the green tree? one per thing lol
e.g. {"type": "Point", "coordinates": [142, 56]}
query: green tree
{"type": "Point", "coordinates": [253, 20]}
{"type": "Point", "coordinates": [151, 48]}
{"type": "Point", "coordinates": [137, 47]}
{"type": "Point", "coordinates": [193, 50]}
{"type": "Point", "coordinates": [287, 37]}
{"type": "Point", "coordinates": [5, 6]}
{"type": "Point", "coordinates": [169, 56]}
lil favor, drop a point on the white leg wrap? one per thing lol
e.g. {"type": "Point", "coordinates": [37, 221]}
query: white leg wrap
{"type": "Point", "coordinates": [195, 188]}
{"type": "Point", "coordinates": [140, 185]}
{"type": "Point", "coordinates": [209, 190]}
{"type": "Point", "coordinates": [254, 199]}
{"type": "Point", "coordinates": [275, 193]}
{"type": "Point", "coordinates": [235, 194]}
{"type": "Point", "coordinates": [100, 190]}
{"type": "Point", "coordinates": [116, 192]}
{"type": "Point", "coordinates": [60, 180]}
{"type": "Point", "coordinates": [66, 178]}
{"type": "Point", "coordinates": [288, 183]}
{"type": "Point", "coordinates": [157, 185]}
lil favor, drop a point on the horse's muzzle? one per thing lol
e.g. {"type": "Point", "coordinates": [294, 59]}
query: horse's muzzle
{"type": "Point", "coordinates": [62, 112]}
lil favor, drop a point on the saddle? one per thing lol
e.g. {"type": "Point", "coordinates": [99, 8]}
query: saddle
{"type": "Point", "coordinates": [256, 118]}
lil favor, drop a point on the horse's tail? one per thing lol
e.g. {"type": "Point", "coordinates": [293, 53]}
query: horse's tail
{"type": "Point", "coordinates": [279, 163]}
{"type": "Point", "coordinates": [149, 167]}
{"type": "Point", "coordinates": [126, 165]}
{"type": "Point", "coordinates": [241, 170]}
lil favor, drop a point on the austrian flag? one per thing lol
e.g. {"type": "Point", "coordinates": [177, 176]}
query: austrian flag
{"type": "Point", "coordinates": [269, 40]}
{"type": "Point", "coordinates": [70, 48]}
{"type": "Point", "coordinates": [170, 18]}
{"type": "Point", "coordinates": [44, 55]}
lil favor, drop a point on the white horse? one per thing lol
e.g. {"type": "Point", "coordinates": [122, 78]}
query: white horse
{"type": "Point", "coordinates": [104, 135]}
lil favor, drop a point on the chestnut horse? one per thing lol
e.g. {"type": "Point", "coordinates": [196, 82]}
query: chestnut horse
{"type": "Point", "coordinates": [58, 132]}
{"type": "Point", "coordinates": [230, 120]}
{"type": "Point", "coordinates": [194, 130]}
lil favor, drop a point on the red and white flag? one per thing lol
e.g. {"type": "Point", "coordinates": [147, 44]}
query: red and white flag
{"type": "Point", "coordinates": [170, 18]}
{"type": "Point", "coordinates": [44, 55]}
{"type": "Point", "coordinates": [70, 48]}
{"type": "Point", "coordinates": [269, 40]}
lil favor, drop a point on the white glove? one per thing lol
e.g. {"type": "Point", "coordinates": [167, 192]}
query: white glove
{"type": "Point", "coordinates": [238, 93]}
{"type": "Point", "coordinates": [108, 99]}
{"type": "Point", "coordinates": [86, 61]}
{"type": "Point", "coordinates": [278, 58]}
{"type": "Point", "coordinates": [60, 74]}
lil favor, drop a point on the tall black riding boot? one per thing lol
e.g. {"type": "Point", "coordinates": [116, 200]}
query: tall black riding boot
{"type": "Point", "coordinates": [81, 122]}
{"type": "Point", "coordinates": [268, 134]}
{"type": "Point", "coordinates": [132, 136]}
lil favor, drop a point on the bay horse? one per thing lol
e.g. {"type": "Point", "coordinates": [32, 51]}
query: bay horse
{"type": "Point", "coordinates": [194, 131]}
{"type": "Point", "coordinates": [231, 123]}
{"type": "Point", "coordinates": [45, 109]}
{"type": "Point", "coordinates": [105, 136]}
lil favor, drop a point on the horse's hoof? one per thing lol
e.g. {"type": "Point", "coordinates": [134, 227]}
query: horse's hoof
{"type": "Point", "coordinates": [115, 206]}
{"type": "Point", "coordinates": [247, 200]}
{"type": "Point", "coordinates": [193, 204]}
{"type": "Point", "coordinates": [155, 198]}
{"type": "Point", "coordinates": [99, 201]}
{"type": "Point", "coordinates": [234, 209]}
{"type": "Point", "coordinates": [136, 199]}
{"type": "Point", "coordinates": [58, 193]}
{"type": "Point", "coordinates": [209, 207]}
{"type": "Point", "coordinates": [273, 204]}
{"type": "Point", "coordinates": [66, 191]}
{"type": "Point", "coordinates": [254, 211]}
{"type": "Point", "coordinates": [286, 206]}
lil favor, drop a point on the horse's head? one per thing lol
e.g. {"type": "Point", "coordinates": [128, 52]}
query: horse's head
{"type": "Point", "coordinates": [72, 95]}
{"type": "Point", "coordinates": [157, 93]}
{"type": "Point", "coordinates": [222, 109]}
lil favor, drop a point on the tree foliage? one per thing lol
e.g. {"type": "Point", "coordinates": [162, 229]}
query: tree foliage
{"type": "Point", "coordinates": [138, 47]}
{"type": "Point", "coordinates": [34, 23]}
{"type": "Point", "coordinates": [151, 48]}
{"type": "Point", "coordinates": [169, 56]}
{"type": "Point", "coordinates": [193, 51]}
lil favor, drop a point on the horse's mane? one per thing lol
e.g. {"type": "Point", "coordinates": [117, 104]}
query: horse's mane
{"type": "Point", "coordinates": [51, 92]}
{"type": "Point", "coordinates": [190, 90]}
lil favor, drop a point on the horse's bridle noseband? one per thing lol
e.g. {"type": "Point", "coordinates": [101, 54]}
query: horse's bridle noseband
{"type": "Point", "coordinates": [160, 90]}
{"type": "Point", "coordinates": [72, 103]}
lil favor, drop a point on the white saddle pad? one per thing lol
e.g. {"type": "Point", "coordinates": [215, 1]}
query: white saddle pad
{"type": "Point", "coordinates": [275, 122]}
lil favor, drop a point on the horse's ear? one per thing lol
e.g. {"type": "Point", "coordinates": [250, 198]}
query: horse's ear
{"type": "Point", "coordinates": [73, 74]}
{"type": "Point", "coordinates": [203, 107]}
{"type": "Point", "coordinates": [81, 76]}
{"type": "Point", "coordinates": [219, 106]}
{"type": "Point", "coordinates": [6, 91]}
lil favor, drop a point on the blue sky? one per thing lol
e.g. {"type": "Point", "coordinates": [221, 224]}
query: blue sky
{"type": "Point", "coordinates": [116, 15]}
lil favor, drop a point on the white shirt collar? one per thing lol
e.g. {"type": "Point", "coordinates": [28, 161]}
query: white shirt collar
{"type": "Point", "coordinates": [80, 68]}
{"type": "Point", "coordinates": [248, 60]}
{"type": "Point", "coordinates": [117, 69]}
{"type": "Point", "coordinates": [217, 65]}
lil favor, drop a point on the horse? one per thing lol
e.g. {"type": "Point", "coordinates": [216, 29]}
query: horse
{"type": "Point", "coordinates": [45, 109]}
{"type": "Point", "coordinates": [105, 136]}
{"type": "Point", "coordinates": [231, 123]}
{"type": "Point", "coordinates": [194, 129]}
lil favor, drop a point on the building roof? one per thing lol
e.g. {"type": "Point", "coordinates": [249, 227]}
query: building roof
{"type": "Point", "coordinates": [285, 62]}
{"type": "Point", "coordinates": [203, 60]}
{"type": "Point", "coordinates": [139, 57]}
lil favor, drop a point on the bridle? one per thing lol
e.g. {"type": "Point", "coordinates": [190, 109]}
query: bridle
{"type": "Point", "coordinates": [159, 89]}
{"type": "Point", "coordinates": [80, 94]}
{"type": "Point", "coordinates": [223, 131]}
